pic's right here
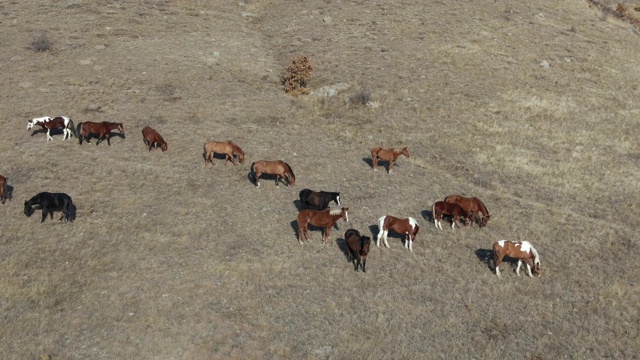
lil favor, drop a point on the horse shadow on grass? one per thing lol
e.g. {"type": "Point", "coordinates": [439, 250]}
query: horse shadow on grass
{"type": "Point", "coordinates": [314, 231]}
{"type": "Point", "coordinates": [384, 164]}
{"type": "Point", "coordinates": [342, 245]}
{"type": "Point", "coordinates": [298, 204]}
{"type": "Point", "coordinates": [266, 178]}
{"type": "Point", "coordinates": [485, 256]}
{"type": "Point", "coordinates": [427, 215]}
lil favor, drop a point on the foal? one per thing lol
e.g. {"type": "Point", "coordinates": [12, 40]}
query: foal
{"type": "Point", "coordinates": [325, 219]}
{"type": "Point", "coordinates": [522, 251]}
{"type": "Point", "coordinates": [440, 208]}
{"type": "Point", "coordinates": [408, 226]}
{"type": "Point", "coordinates": [358, 248]}
{"type": "Point", "coordinates": [473, 205]}
{"type": "Point", "coordinates": [390, 155]}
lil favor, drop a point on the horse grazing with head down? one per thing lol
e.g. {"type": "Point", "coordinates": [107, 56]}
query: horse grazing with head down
{"type": "Point", "coordinates": [279, 168]}
{"type": "Point", "coordinates": [522, 251]}
{"type": "Point", "coordinates": [390, 155]}
{"type": "Point", "coordinates": [318, 200]}
{"type": "Point", "coordinates": [153, 139]}
{"type": "Point", "coordinates": [50, 202]}
{"type": "Point", "coordinates": [101, 130]}
{"type": "Point", "coordinates": [229, 148]}
{"type": "Point", "coordinates": [473, 205]}
{"type": "Point", "coordinates": [358, 246]}
{"type": "Point", "coordinates": [408, 226]}
{"type": "Point", "coordinates": [3, 189]}
{"type": "Point", "coordinates": [441, 208]}
{"type": "Point", "coordinates": [325, 219]}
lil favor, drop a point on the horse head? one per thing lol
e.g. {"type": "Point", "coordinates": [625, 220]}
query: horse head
{"type": "Point", "coordinates": [405, 152]}
{"type": "Point", "coordinates": [345, 215]}
{"type": "Point", "coordinates": [536, 269]}
{"type": "Point", "coordinates": [164, 147]}
{"type": "Point", "coordinates": [484, 220]}
{"type": "Point", "coordinates": [28, 210]}
{"type": "Point", "coordinates": [336, 198]}
{"type": "Point", "coordinates": [241, 156]}
{"type": "Point", "coordinates": [29, 124]}
{"type": "Point", "coordinates": [121, 128]}
{"type": "Point", "coordinates": [364, 248]}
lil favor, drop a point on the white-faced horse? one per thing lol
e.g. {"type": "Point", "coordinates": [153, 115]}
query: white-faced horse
{"type": "Point", "coordinates": [37, 121]}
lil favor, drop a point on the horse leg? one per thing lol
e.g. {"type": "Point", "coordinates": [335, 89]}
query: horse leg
{"type": "Point", "coordinates": [411, 238]}
{"type": "Point", "coordinates": [453, 221]}
{"type": "Point", "coordinates": [108, 136]}
{"type": "Point", "coordinates": [364, 264]}
{"type": "Point", "coordinates": [391, 163]}
{"type": "Point", "coordinates": [49, 136]}
{"type": "Point", "coordinates": [277, 180]}
{"type": "Point", "coordinates": [518, 268]}
{"type": "Point", "coordinates": [497, 260]}
{"type": "Point", "coordinates": [257, 178]}
{"type": "Point", "coordinates": [385, 234]}
{"type": "Point", "coordinates": [374, 161]}
{"type": "Point", "coordinates": [529, 270]}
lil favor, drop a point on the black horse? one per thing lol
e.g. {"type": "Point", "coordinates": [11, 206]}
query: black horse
{"type": "Point", "coordinates": [318, 200]}
{"type": "Point", "coordinates": [358, 248]}
{"type": "Point", "coordinates": [50, 202]}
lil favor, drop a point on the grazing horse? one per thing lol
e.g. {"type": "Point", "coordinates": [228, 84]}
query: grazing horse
{"type": "Point", "coordinates": [408, 226]}
{"type": "Point", "coordinates": [473, 205]}
{"type": "Point", "coordinates": [153, 139]}
{"type": "Point", "coordinates": [325, 219]}
{"type": "Point", "coordinates": [358, 248]}
{"type": "Point", "coordinates": [50, 202]}
{"type": "Point", "coordinates": [229, 148]}
{"type": "Point", "coordinates": [59, 122]}
{"type": "Point", "coordinates": [522, 251]}
{"type": "Point", "coordinates": [3, 189]}
{"type": "Point", "coordinates": [440, 208]}
{"type": "Point", "coordinates": [318, 200]}
{"type": "Point", "coordinates": [390, 155]}
{"type": "Point", "coordinates": [101, 129]}
{"type": "Point", "coordinates": [279, 168]}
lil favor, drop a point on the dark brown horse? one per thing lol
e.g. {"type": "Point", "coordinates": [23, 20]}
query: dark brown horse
{"type": "Point", "coordinates": [318, 200]}
{"type": "Point", "coordinates": [408, 226]}
{"type": "Point", "coordinates": [390, 155]}
{"type": "Point", "coordinates": [50, 202]}
{"type": "Point", "coordinates": [3, 189]}
{"type": "Point", "coordinates": [153, 139]}
{"type": "Point", "coordinates": [522, 251]}
{"type": "Point", "coordinates": [358, 246]}
{"type": "Point", "coordinates": [229, 148]}
{"type": "Point", "coordinates": [59, 122]}
{"type": "Point", "coordinates": [101, 130]}
{"type": "Point", "coordinates": [279, 168]}
{"type": "Point", "coordinates": [472, 205]}
{"type": "Point", "coordinates": [325, 219]}
{"type": "Point", "coordinates": [454, 210]}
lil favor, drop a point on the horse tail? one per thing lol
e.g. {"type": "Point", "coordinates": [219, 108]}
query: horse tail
{"type": "Point", "coordinates": [79, 132]}
{"type": "Point", "coordinates": [73, 129]}
{"type": "Point", "coordinates": [253, 172]}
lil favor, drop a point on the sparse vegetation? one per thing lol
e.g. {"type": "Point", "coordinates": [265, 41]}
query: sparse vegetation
{"type": "Point", "coordinates": [42, 43]}
{"type": "Point", "coordinates": [361, 97]}
{"type": "Point", "coordinates": [297, 75]}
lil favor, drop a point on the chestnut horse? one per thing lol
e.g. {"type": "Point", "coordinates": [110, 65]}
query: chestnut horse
{"type": "Point", "coordinates": [59, 122]}
{"type": "Point", "coordinates": [325, 219]}
{"type": "Point", "coordinates": [50, 202]}
{"type": "Point", "coordinates": [440, 208]}
{"type": "Point", "coordinates": [473, 205]}
{"type": "Point", "coordinates": [318, 200]}
{"type": "Point", "coordinates": [101, 129]}
{"type": "Point", "coordinates": [279, 168]}
{"type": "Point", "coordinates": [229, 148]}
{"type": "Point", "coordinates": [522, 251]}
{"type": "Point", "coordinates": [152, 138]}
{"type": "Point", "coordinates": [3, 189]}
{"type": "Point", "coordinates": [390, 155]}
{"type": "Point", "coordinates": [358, 246]}
{"type": "Point", "coordinates": [408, 226]}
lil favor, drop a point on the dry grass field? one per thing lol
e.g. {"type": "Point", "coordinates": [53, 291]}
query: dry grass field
{"type": "Point", "coordinates": [169, 259]}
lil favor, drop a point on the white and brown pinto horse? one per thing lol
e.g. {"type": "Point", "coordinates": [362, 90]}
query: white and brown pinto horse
{"type": "Point", "coordinates": [59, 122]}
{"type": "Point", "coordinates": [455, 211]}
{"type": "Point", "coordinates": [472, 205]}
{"type": "Point", "coordinates": [408, 226]}
{"type": "Point", "coordinates": [522, 251]}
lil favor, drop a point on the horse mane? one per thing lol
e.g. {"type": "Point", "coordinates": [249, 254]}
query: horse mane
{"type": "Point", "coordinates": [536, 257]}
{"type": "Point", "coordinates": [398, 151]}
{"type": "Point", "coordinates": [290, 170]}
{"type": "Point", "coordinates": [235, 145]}
{"type": "Point", "coordinates": [483, 208]}
{"type": "Point", "coordinates": [335, 212]}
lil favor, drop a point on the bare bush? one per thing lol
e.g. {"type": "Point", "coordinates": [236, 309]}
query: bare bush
{"type": "Point", "coordinates": [361, 97]}
{"type": "Point", "coordinates": [41, 44]}
{"type": "Point", "coordinates": [297, 75]}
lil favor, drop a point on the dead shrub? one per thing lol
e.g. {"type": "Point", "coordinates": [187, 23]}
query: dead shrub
{"type": "Point", "coordinates": [297, 75]}
{"type": "Point", "coordinates": [361, 97]}
{"type": "Point", "coordinates": [41, 44]}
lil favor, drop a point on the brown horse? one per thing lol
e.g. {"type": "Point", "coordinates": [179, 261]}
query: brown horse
{"type": "Point", "coordinates": [408, 226]}
{"type": "Point", "coordinates": [279, 168]}
{"type": "Point", "coordinates": [3, 189]}
{"type": "Point", "coordinates": [390, 155]}
{"type": "Point", "coordinates": [472, 205]}
{"type": "Point", "coordinates": [454, 210]}
{"type": "Point", "coordinates": [152, 138]}
{"type": "Point", "coordinates": [59, 122]}
{"type": "Point", "coordinates": [358, 246]}
{"type": "Point", "coordinates": [522, 251]}
{"type": "Point", "coordinates": [101, 129]}
{"type": "Point", "coordinates": [229, 148]}
{"type": "Point", "coordinates": [325, 219]}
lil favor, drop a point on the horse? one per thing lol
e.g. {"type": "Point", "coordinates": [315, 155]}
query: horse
{"type": "Point", "coordinates": [325, 219]}
{"type": "Point", "coordinates": [3, 189]}
{"type": "Point", "coordinates": [59, 122]}
{"type": "Point", "coordinates": [358, 248]}
{"type": "Point", "coordinates": [229, 148]}
{"type": "Point", "coordinates": [102, 129]}
{"type": "Point", "coordinates": [152, 138]}
{"type": "Point", "coordinates": [440, 208]}
{"type": "Point", "coordinates": [408, 226]}
{"type": "Point", "coordinates": [279, 168]}
{"type": "Point", "coordinates": [472, 205]}
{"type": "Point", "coordinates": [390, 155]}
{"type": "Point", "coordinates": [522, 251]}
{"type": "Point", "coordinates": [50, 202]}
{"type": "Point", "coordinates": [318, 200]}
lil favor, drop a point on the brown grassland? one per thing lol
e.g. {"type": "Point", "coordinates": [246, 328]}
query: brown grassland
{"type": "Point", "coordinates": [169, 259]}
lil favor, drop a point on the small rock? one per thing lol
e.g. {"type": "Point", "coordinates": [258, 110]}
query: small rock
{"type": "Point", "coordinates": [544, 64]}
{"type": "Point", "coordinates": [326, 19]}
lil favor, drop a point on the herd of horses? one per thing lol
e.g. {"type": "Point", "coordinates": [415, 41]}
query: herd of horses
{"type": "Point", "coordinates": [315, 205]}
